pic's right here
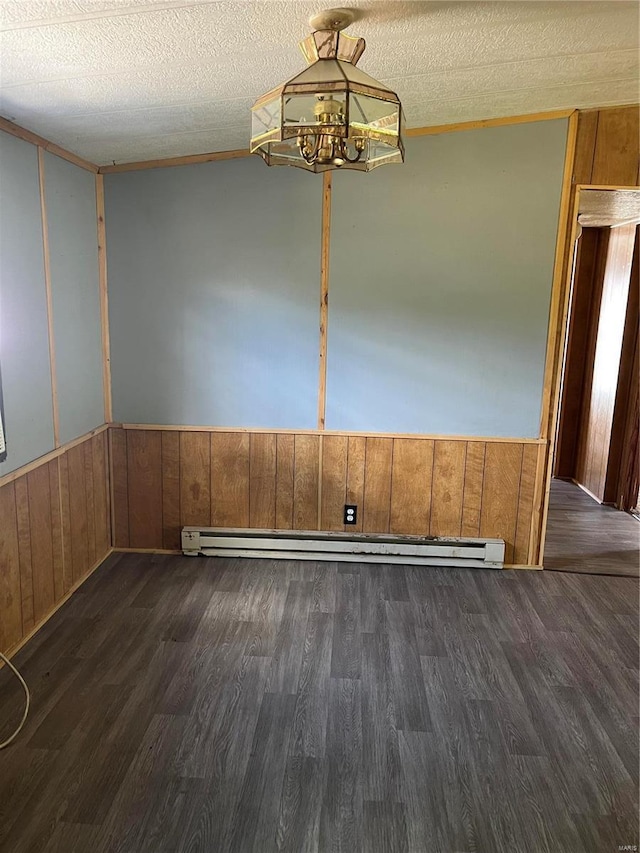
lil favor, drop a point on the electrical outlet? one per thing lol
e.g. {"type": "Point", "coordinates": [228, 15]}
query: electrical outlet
{"type": "Point", "coordinates": [350, 514]}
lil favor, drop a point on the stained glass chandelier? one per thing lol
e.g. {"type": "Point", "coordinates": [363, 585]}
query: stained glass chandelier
{"type": "Point", "coordinates": [332, 115]}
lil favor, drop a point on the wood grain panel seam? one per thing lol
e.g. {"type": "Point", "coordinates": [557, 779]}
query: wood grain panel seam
{"type": "Point", "coordinates": [484, 468]}
{"type": "Point", "coordinates": [464, 469]}
{"type": "Point", "coordinates": [22, 557]}
{"type": "Point", "coordinates": [391, 478]}
{"type": "Point", "coordinates": [517, 524]}
{"type": "Point", "coordinates": [112, 506]}
{"type": "Point", "coordinates": [49, 298]}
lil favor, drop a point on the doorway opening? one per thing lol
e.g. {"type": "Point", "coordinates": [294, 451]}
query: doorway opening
{"type": "Point", "coordinates": [593, 519]}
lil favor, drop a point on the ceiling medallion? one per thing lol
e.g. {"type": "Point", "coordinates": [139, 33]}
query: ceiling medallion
{"type": "Point", "coordinates": [332, 115]}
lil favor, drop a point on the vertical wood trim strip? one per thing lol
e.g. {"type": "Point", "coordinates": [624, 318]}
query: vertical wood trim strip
{"type": "Point", "coordinates": [49, 296]}
{"type": "Point", "coordinates": [559, 289]}
{"type": "Point", "coordinates": [324, 296]}
{"type": "Point", "coordinates": [112, 499]}
{"type": "Point", "coordinates": [104, 299]}
{"type": "Point", "coordinates": [536, 511]}
{"type": "Point", "coordinates": [562, 308]}
{"type": "Point", "coordinates": [320, 455]}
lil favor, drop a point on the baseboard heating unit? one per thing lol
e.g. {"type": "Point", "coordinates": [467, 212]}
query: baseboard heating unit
{"type": "Point", "coordinates": [343, 547]}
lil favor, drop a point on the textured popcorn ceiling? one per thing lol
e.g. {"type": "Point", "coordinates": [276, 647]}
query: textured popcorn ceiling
{"type": "Point", "coordinates": [117, 80]}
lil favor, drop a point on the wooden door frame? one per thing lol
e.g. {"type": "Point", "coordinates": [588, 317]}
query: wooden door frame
{"type": "Point", "coordinates": [559, 332]}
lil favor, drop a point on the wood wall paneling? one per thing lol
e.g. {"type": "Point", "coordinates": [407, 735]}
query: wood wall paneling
{"type": "Point", "coordinates": [262, 480]}
{"type": "Point", "coordinates": [356, 454]}
{"type": "Point", "coordinates": [195, 478]}
{"type": "Point", "coordinates": [11, 629]}
{"type": "Point", "coordinates": [285, 463]}
{"type": "Point", "coordinates": [615, 159]}
{"type": "Point", "coordinates": [473, 489]}
{"type": "Point", "coordinates": [305, 482]}
{"type": "Point", "coordinates": [24, 553]}
{"type": "Point", "coordinates": [54, 529]}
{"type": "Point", "coordinates": [90, 499]}
{"type": "Point", "coordinates": [102, 493]}
{"type": "Point", "coordinates": [411, 486]}
{"type": "Point", "coordinates": [229, 478]}
{"type": "Point", "coordinates": [171, 514]}
{"type": "Point", "coordinates": [65, 512]}
{"type": "Point", "coordinates": [585, 146]}
{"type": "Point", "coordinates": [144, 474]}
{"type": "Point", "coordinates": [447, 493]}
{"type": "Point", "coordinates": [607, 147]}
{"type": "Point", "coordinates": [119, 487]}
{"type": "Point", "coordinates": [498, 518]}
{"type": "Point", "coordinates": [603, 156]}
{"type": "Point", "coordinates": [602, 380]}
{"type": "Point", "coordinates": [378, 464]}
{"type": "Point", "coordinates": [41, 537]}
{"type": "Point", "coordinates": [429, 487]}
{"type": "Point", "coordinates": [587, 285]}
{"type": "Point", "coordinates": [617, 488]}
{"type": "Point", "coordinates": [526, 492]}
{"type": "Point", "coordinates": [335, 449]}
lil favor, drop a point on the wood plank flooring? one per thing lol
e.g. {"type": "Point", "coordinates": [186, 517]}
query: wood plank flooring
{"type": "Point", "coordinates": [227, 706]}
{"type": "Point", "coordinates": [584, 536]}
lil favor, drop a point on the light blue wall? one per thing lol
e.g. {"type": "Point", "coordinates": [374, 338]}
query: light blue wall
{"type": "Point", "coordinates": [440, 284]}
{"type": "Point", "coordinates": [213, 294]}
{"type": "Point", "coordinates": [24, 341]}
{"type": "Point", "coordinates": [75, 286]}
{"type": "Point", "coordinates": [440, 280]}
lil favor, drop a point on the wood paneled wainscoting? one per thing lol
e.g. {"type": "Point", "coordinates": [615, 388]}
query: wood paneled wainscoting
{"type": "Point", "coordinates": [166, 478]}
{"type": "Point", "coordinates": [54, 530]}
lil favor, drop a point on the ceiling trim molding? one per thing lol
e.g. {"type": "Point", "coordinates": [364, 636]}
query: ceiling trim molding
{"type": "Point", "coordinates": [187, 160]}
{"type": "Point", "coordinates": [488, 122]}
{"type": "Point", "coordinates": [412, 131]}
{"type": "Point", "coordinates": [28, 136]}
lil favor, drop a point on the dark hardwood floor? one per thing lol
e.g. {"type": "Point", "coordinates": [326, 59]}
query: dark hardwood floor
{"type": "Point", "coordinates": [583, 536]}
{"type": "Point", "coordinates": [246, 705]}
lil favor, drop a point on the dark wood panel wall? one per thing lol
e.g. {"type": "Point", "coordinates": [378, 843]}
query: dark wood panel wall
{"type": "Point", "coordinates": [54, 529]}
{"type": "Point", "coordinates": [581, 342]}
{"type": "Point", "coordinates": [166, 479]}
{"type": "Point", "coordinates": [607, 153]}
{"type": "Point", "coordinates": [603, 373]}
{"type": "Point", "coordinates": [607, 147]}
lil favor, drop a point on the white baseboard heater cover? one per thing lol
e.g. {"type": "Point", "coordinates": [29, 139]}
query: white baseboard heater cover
{"type": "Point", "coordinates": [343, 547]}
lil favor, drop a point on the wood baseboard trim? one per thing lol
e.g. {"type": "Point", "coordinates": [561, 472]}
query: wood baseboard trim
{"type": "Point", "coordinates": [589, 492]}
{"type": "Point", "coordinates": [15, 649]}
{"type": "Point", "coordinates": [146, 551]}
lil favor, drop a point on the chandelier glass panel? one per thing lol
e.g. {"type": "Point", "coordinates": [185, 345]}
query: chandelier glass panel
{"type": "Point", "coordinates": [332, 115]}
